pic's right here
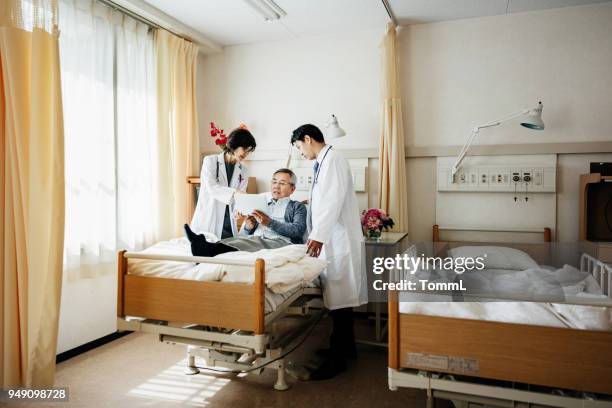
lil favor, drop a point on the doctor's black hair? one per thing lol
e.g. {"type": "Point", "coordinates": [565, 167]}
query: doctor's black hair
{"type": "Point", "coordinates": [307, 130]}
{"type": "Point", "coordinates": [240, 138]}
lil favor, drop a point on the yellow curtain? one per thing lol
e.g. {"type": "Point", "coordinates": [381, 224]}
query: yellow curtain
{"type": "Point", "coordinates": [179, 146]}
{"type": "Point", "coordinates": [32, 190]}
{"type": "Point", "coordinates": [392, 196]}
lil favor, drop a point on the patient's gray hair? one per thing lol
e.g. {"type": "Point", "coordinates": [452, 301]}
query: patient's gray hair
{"type": "Point", "coordinates": [289, 172]}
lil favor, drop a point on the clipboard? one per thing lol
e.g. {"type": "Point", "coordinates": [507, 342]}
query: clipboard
{"type": "Point", "coordinates": [247, 203]}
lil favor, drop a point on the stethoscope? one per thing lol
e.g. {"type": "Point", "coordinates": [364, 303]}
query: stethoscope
{"type": "Point", "coordinates": [229, 181]}
{"type": "Point", "coordinates": [316, 178]}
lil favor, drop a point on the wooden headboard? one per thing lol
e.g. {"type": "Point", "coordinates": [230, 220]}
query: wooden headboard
{"type": "Point", "coordinates": [539, 251]}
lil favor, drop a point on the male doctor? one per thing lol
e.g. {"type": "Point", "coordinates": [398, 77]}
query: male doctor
{"type": "Point", "coordinates": [334, 234]}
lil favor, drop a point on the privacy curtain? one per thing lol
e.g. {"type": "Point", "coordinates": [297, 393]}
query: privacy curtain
{"type": "Point", "coordinates": [392, 196]}
{"type": "Point", "coordinates": [178, 139]}
{"type": "Point", "coordinates": [32, 191]}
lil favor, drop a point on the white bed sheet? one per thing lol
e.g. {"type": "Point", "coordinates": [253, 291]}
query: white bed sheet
{"type": "Point", "coordinates": [287, 270]}
{"type": "Point", "coordinates": [571, 281]}
{"type": "Point", "coordinates": [537, 314]}
{"type": "Point", "coordinates": [521, 275]}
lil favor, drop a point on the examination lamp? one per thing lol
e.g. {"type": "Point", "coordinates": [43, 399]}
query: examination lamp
{"type": "Point", "coordinates": [333, 129]}
{"type": "Point", "coordinates": [532, 120]}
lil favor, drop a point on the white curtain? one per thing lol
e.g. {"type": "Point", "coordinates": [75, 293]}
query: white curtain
{"type": "Point", "coordinates": [137, 148]}
{"type": "Point", "coordinates": [86, 54]}
{"type": "Point", "coordinates": [109, 92]}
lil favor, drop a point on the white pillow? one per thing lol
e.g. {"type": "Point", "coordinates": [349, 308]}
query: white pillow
{"type": "Point", "coordinates": [496, 257]}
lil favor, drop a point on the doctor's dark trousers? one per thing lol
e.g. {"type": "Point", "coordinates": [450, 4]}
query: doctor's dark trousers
{"type": "Point", "coordinates": [342, 341]}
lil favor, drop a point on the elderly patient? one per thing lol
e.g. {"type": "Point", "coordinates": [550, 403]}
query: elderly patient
{"type": "Point", "coordinates": [283, 224]}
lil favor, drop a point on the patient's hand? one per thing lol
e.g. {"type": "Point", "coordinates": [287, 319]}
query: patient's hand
{"type": "Point", "coordinates": [261, 217]}
{"type": "Point", "coordinates": [249, 222]}
{"type": "Point", "coordinates": [314, 248]}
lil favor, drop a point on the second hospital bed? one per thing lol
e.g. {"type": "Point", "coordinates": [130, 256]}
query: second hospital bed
{"type": "Point", "coordinates": [507, 353]}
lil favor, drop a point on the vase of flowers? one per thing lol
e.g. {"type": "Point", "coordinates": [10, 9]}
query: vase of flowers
{"type": "Point", "coordinates": [374, 220]}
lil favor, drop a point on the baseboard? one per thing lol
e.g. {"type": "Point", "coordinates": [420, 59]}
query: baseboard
{"type": "Point", "coordinates": [68, 354]}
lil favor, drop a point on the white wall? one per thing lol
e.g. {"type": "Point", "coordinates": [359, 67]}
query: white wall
{"type": "Point", "coordinates": [275, 87]}
{"type": "Point", "coordinates": [454, 75]}
{"type": "Point", "coordinates": [88, 308]}
{"type": "Point", "coordinates": [461, 73]}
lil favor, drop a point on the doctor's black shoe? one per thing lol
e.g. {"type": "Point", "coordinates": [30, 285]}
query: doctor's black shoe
{"type": "Point", "coordinates": [329, 369]}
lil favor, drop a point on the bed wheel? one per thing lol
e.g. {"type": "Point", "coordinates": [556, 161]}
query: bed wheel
{"type": "Point", "coordinates": [191, 368]}
{"type": "Point", "coordinates": [281, 383]}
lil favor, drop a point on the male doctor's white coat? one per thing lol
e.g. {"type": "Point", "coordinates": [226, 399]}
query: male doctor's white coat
{"type": "Point", "coordinates": [334, 220]}
{"type": "Point", "coordinates": [215, 194]}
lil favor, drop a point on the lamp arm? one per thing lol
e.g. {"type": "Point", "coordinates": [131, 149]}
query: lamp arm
{"type": "Point", "coordinates": [462, 153]}
{"type": "Point", "coordinates": [473, 135]}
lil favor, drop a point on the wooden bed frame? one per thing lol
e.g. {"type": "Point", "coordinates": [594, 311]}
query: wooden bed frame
{"type": "Point", "coordinates": [565, 358]}
{"type": "Point", "coordinates": [222, 322]}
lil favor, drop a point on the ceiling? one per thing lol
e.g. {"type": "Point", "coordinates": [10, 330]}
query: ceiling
{"type": "Point", "coordinates": [231, 22]}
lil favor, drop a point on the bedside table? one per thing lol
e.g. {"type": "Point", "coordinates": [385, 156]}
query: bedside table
{"type": "Point", "coordinates": [388, 245]}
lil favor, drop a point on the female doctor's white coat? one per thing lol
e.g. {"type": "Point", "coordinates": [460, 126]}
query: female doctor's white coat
{"type": "Point", "coordinates": [334, 220]}
{"type": "Point", "coordinates": [215, 194]}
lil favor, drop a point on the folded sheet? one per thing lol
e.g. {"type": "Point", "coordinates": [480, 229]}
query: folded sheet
{"type": "Point", "coordinates": [286, 268]}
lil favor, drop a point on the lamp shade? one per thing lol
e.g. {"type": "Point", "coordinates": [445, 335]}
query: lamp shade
{"type": "Point", "coordinates": [334, 130]}
{"type": "Point", "coordinates": [533, 119]}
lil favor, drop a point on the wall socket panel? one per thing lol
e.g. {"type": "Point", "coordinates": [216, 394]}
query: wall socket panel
{"type": "Point", "coordinates": [305, 176]}
{"type": "Point", "coordinates": [512, 174]}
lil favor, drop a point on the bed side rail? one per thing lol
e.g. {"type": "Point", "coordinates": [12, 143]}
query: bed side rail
{"type": "Point", "coordinates": [600, 271]}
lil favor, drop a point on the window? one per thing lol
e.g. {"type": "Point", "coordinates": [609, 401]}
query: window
{"type": "Point", "coordinates": [110, 117]}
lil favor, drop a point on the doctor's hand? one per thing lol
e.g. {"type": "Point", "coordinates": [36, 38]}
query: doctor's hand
{"type": "Point", "coordinates": [314, 248]}
{"type": "Point", "coordinates": [261, 217]}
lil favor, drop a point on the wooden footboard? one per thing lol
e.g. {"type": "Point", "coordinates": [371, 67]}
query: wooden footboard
{"type": "Point", "coordinates": [549, 356]}
{"type": "Point", "coordinates": [218, 304]}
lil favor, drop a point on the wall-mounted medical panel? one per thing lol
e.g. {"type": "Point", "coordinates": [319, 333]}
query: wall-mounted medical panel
{"type": "Point", "coordinates": [305, 176]}
{"type": "Point", "coordinates": [532, 173]}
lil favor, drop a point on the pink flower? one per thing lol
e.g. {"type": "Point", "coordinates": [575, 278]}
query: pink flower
{"type": "Point", "coordinates": [375, 219]}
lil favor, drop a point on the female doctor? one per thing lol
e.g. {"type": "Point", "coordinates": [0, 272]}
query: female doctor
{"type": "Point", "coordinates": [222, 176]}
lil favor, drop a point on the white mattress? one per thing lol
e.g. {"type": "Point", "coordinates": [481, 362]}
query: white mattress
{"type": "Point", "coordinates": [538, 314]}
{"type": "Point", "coordinates": [283, 277]}
{"type": "Point", "coordinates": [572, 281]}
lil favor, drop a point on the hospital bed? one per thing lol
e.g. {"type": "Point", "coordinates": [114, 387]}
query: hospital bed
{"type": "Point", "coordinates": [234, 326]}
{"type": "Point", "coordinates": [517, 360]}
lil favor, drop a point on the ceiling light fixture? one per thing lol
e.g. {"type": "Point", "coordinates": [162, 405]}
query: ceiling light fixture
{"type": "Point", "coordinates": [268, 9]}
